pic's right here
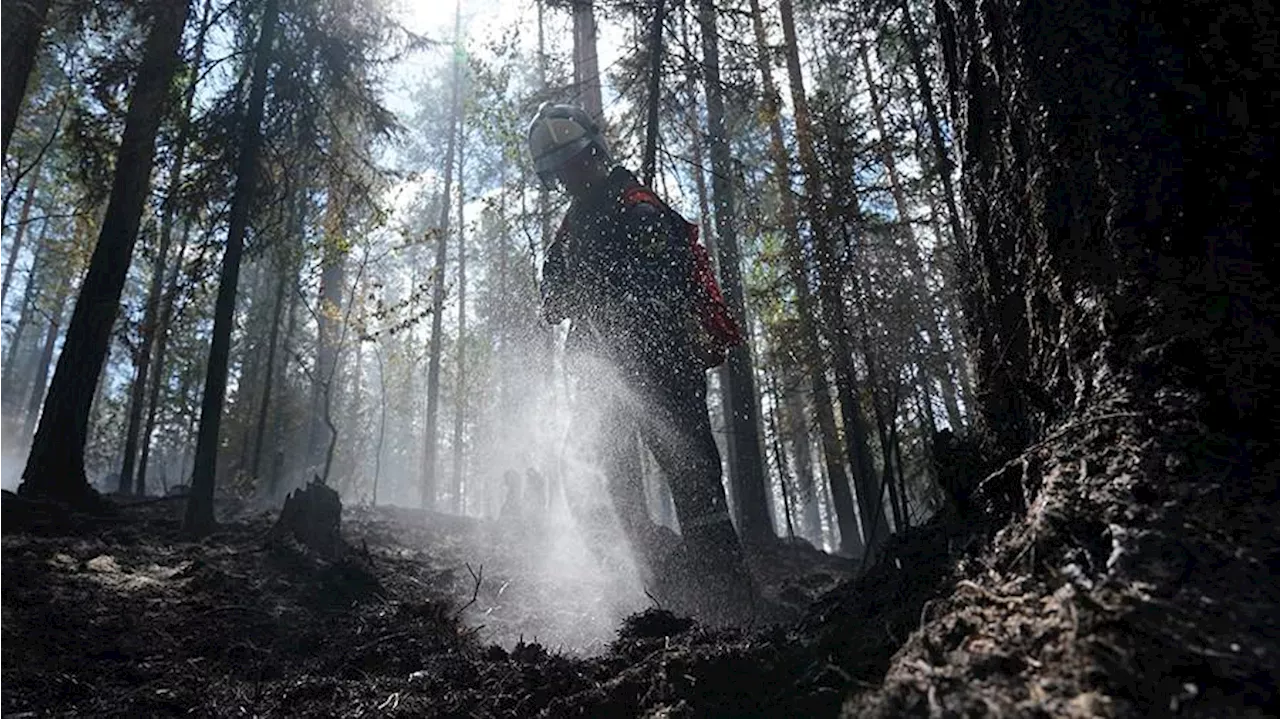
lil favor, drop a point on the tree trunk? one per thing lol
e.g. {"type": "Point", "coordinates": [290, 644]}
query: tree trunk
{"type": "Point", "coordinates": [328, 320]}
{"type": "Point", "coordinates": [19, 233]}
{"type": "Point", "coordinates": [926, 309]}
{"type": "Point", "coordinates": [147, 340]}
{"type": "Point", "coordinates": [23, 25]}
{"type": "Point", "coordinates": [780, 456]}
{"type": "Point", "coordinates": [162, 346]}
{"type": "Point", "coordinates": [944, 166]}
{"type": "Point", "coordinates": [544, 196]}
{"type": "Point", "coordinates": [382, 423]}
{"type": "Point", "coordinates": [797, 431]}
{"type": "Point", "coordinates": [586, 64]}
{"type": "Point", "coordinates": [747, 463]}
{"type": "Point", "coordinates": [56, 311]}
{"type": "Point", "coordinates": [1080, 266]}
{"type": "Point", "coordinates": [278, 427]}
{"type": "Point", "coordinates": [655, 83]}
{"type": "Point", "coordinates": [55, 467]}
{"type": "Point", "coordinates": [832, 307]}
{"type": "Point", "coordinates": [30, 296]}
{"type": "Point", "coordinates": [277, 312]}
{"type": "Point", "coordinates": [851, 542]}
{"type": "Point", "coordinates": [199, 515]}
{"type": "Point", "coordinates": [431, 441]}
{"type": "Point", "coordinates": [460, 392]}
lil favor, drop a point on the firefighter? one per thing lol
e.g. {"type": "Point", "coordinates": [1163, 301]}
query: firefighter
{"type": "Point", "coordinates": [623, 271]}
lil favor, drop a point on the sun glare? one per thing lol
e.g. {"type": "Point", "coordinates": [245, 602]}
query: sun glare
{"type": "Point", "coordinates": [434, 18]}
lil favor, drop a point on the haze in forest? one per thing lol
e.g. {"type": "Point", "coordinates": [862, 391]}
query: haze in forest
{"type": "Point", "coordinates": [383, 330]}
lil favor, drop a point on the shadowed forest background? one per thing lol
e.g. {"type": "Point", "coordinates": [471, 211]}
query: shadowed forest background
{"type": "Point", "coordinates": [1001, 437]}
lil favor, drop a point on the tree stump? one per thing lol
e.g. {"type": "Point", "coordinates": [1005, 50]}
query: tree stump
{"type": "Point", "coordinates": [313, 516]}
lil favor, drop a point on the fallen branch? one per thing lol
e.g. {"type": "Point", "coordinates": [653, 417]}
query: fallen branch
{"type": "Point", "coordinates": [475, 592]}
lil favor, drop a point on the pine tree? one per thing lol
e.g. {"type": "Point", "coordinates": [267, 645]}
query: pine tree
{"type": "Point", "coordinates": [199, 514]}
{"type": "Point", "coordinates": [745, 457]}
{"type": "Point", "coordinates": [55, 466]}
{"type": "Point", "coordinates": [23, 27]}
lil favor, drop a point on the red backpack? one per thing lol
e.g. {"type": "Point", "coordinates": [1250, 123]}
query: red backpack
{"type": "Point", "coordinates": [717, 330]}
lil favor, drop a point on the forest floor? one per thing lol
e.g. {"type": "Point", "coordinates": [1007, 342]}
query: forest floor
{"type": "Point", "coordinates": [1139, 581]}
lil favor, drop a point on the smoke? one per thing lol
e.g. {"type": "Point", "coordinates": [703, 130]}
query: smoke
{"type": "Point", "coordinates": [13, 457]}
{"type": "Point", "coordinates": [543, 470]}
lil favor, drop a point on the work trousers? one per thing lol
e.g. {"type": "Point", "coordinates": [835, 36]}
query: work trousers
{"type": "Point", "coordinates": [662, 402]}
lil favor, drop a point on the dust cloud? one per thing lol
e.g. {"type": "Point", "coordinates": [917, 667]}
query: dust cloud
{"type": "Point", "coordinates": [539, 518]}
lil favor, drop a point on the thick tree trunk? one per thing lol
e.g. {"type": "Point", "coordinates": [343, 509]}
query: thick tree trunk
{"type": "Point", "coordinates": [1078, 266]}
{"type": "Point", "coordinates": [833, 313]}
{"type": "Point", "coordinates": [199, 515]}
{"type": "Point", "coordinates": [19, 233]}
{"type": "Point", "coordinates": [24, 23]}
{"type": "Point", "coordinates": [55, 467]}
{"type": "Point", "coordinates": [747, 462]}
{"type": "Point", "coordinates": [807, 313]}
{"type": "Point", "coordinates": [431, 441]}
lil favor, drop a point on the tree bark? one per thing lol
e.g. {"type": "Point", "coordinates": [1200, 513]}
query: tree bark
{"type": "Point", "coordinates": [834, 315]}
{"type": "Point", "coordinates": [24, 23]}
{"type": "Point", "coordinates": [199, 515]}
{"type": "Point", "coordinates": [55, 467]}
{"type": "Point", "coordinates": [747, 463]}
{"type": "Point", "coordinates": [431, 441]}
{"type": "Point", "coordinates": [1081, 269]}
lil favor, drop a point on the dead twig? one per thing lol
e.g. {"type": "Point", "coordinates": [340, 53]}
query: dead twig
{"type": "Point", "coordinates": [475, 592]}
{"type": "Point", "coordinates": [380, 640]}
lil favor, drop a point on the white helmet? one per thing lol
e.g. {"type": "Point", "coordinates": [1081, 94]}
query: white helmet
{"type": "Point", "coordinates": [557, 134]}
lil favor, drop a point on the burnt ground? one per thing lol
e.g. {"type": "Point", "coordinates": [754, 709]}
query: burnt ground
{"type": "Point", "coordinates": [1126, 567]}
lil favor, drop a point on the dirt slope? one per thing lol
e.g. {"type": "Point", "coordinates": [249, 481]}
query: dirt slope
{"type": "Point", "coordinates": [1139, 582]}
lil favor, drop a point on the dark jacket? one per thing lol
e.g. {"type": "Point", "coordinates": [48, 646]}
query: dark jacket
{"type": "Point", "coordinates": [622, 271]}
